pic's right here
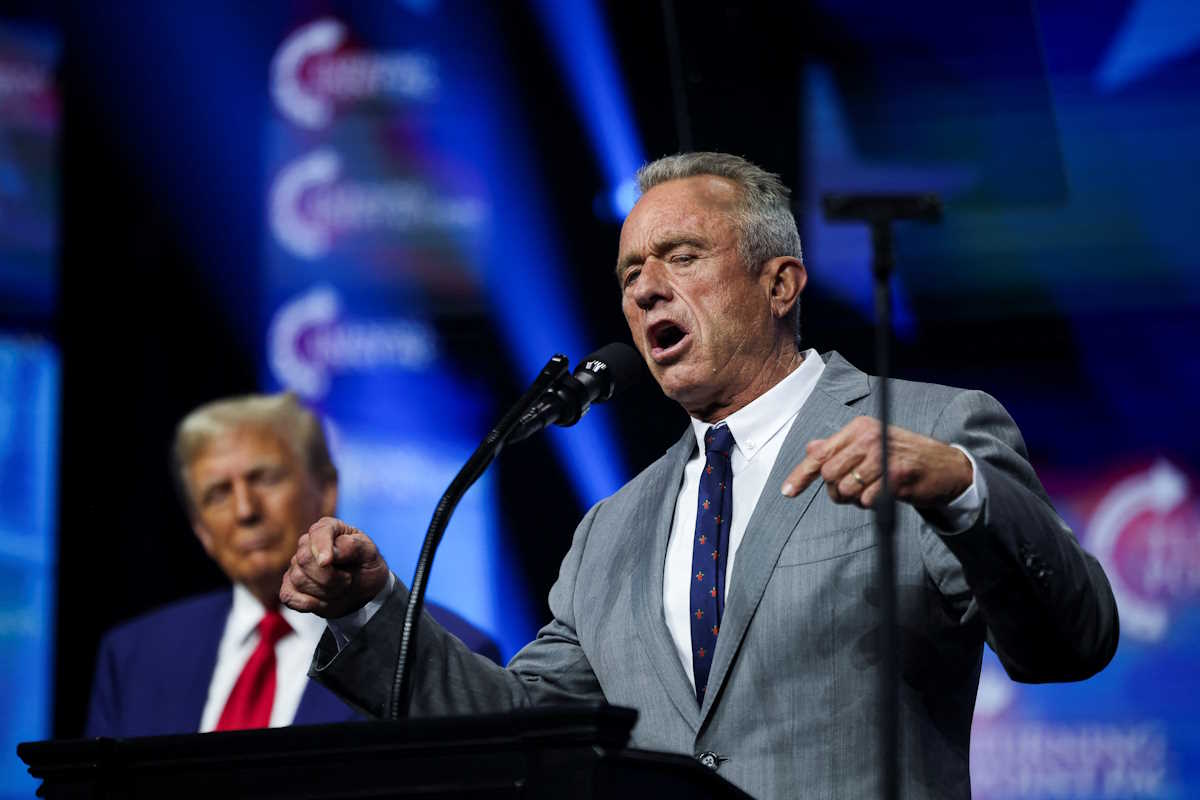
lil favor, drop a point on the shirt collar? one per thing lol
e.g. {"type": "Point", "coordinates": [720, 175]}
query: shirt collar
{"type": "Point", "coordinates": [247, 612]}
{"type": "Point", "coordinates": [245, 615]}
{"type": "Point", "coordinates": [762, 418]}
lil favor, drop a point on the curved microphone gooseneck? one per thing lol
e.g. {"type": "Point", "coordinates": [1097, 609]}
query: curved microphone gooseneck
{"type": "Point", "coordinates": [554, 397]}
{"type": "Point", "coordinates": [491, 445]}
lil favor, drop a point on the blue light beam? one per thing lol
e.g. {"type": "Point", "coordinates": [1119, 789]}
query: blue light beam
{"type": "Point", "coordinates": [584, 49]}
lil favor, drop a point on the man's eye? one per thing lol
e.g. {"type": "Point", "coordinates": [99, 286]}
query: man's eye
{"type": "Point", "coordinates": [631, 276]}
{"type": "Point", "coordinates": [682, 258]}
{"type": "Point", "coordinates": [269, 477]}
{"type": "Point", "coordinates": [214, 496]}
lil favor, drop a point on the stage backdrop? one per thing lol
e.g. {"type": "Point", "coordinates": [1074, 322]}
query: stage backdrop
{"type": "Point", "coordinates": [29, 391]}
{"type": "Point", "coordinates": [404, 233]}
{"type": "Point", "coordinates": [1063, 144]}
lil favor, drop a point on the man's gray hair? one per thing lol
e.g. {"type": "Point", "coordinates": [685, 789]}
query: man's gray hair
{"type": "Point", "coordinates": [281, 414]}
{"type": "Point", "coordinates": [766, 227]}
{"type": "Point", "coordinates": [765, 223]}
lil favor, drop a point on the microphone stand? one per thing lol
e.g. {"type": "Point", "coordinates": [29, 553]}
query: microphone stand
{"type": "Point", "coordinates": [488, 449]}
{"type": "Point", "coordinates": [879, 212]}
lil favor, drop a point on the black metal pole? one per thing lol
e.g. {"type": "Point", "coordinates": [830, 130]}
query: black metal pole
{"type": "Point", "coordinates": [885, 523]}
{"type": "Point", "coordinates": [683, 121]}
{"type": "Point", "coordinates": [879, 211]}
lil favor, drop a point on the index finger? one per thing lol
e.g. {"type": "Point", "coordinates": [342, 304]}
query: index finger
{"type": "Point", "coordinates": [322, 536]}
{"type": "Point", "coordinates": [827, 448]}
{"type": "Point", "coordinates": [801, 476]}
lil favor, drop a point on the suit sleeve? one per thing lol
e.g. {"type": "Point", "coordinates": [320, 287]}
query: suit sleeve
{"type": "Point", "coordinates": [1047, 605]}
{"type": "Point", "coordinates": [447, 678]}
{"type": "Point", "coordinates": [104, 707]}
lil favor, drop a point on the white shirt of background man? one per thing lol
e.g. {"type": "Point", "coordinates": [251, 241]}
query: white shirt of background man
{"type": "Point", "coordinates": [293, 653]}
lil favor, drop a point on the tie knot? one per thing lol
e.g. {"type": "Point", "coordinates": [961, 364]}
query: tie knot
{"type": "Point", "coordinates": [718, 439]}
{"type": "Point", "coordinates": [273, 627]}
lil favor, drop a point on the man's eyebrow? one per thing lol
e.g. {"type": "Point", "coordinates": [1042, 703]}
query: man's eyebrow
{"type": "Point", "coordinates": [211, 485]}
{"type": "Point", "coordinates": [257, 467]}
{"type": "Point", "coordinates": [267, 465]}
{"type": "Point", "coordinates": [658, 248]}
{"type": "Point", "coordinates": [668, 245]}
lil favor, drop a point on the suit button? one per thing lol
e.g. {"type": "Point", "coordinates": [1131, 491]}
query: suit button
{"type": "Point", "coordinates": [709, 759]}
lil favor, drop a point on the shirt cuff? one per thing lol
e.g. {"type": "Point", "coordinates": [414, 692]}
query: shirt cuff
{"type": "Point", "coordinates": [346, 628]}
{"type": "Point", "coordinates": [961, 513]}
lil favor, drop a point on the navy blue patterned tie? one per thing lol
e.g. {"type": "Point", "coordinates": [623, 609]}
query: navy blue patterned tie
{"type": "Point", "coordinates": [710, 548]}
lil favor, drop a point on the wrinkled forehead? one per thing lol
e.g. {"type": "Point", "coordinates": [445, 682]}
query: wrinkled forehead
{"type": "Point", "coordinates": [239, 445]}
{"type": "Point", "coordinates": [700, 203]}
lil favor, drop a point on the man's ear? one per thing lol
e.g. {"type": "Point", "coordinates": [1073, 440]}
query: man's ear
{"type": "Point", "coordinates": [785, 278]}
{"type": "Point", "coordinates": [204, 535]}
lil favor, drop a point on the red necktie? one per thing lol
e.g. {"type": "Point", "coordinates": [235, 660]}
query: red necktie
{"type": "Point", "coordinates": [249, 704]}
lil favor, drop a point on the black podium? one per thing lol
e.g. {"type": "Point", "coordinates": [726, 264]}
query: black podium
{"type": "Point", "coordinates": [575, 751]}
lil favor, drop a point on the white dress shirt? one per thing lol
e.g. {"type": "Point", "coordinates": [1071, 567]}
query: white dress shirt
{"type": "Point", "coordinates": [292, 656]}
{"type": "Point", "coordinates": [758, 433]}
{"type": "Point", "coordinates": [759, 430]}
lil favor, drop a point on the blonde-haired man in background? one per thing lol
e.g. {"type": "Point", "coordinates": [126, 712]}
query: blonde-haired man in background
{"type": "Point", "coordinates": [253, 473]}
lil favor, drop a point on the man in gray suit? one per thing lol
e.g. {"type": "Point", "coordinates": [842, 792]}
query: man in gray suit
{"type": "Point", "coordinates": [728, 591]}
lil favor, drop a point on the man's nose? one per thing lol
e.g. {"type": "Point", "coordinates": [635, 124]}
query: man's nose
{"type": "Point", "coordinates": [651, 285]}
{"type": "Point", "coordinates": [245, 501]}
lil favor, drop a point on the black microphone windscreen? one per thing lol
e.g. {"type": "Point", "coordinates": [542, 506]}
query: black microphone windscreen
{"type": "Point", "coordinates": [623, 367]}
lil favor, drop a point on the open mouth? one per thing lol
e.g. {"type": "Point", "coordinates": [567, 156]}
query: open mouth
{"type": "Point", "coordinates": [666, 339]}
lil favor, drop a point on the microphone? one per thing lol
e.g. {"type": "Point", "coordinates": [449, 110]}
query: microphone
{"type": "Point", "coordinates": [610, 369]}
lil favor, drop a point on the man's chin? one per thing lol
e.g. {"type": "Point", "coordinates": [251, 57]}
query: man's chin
{"type": "Point", "coordinates": [264, 571]}
{"type": "Point", "coordinates": [683, 385]}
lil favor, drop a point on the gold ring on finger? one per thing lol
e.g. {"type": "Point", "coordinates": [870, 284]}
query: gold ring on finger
{"type": "Point", "coordinates": [858, 478]}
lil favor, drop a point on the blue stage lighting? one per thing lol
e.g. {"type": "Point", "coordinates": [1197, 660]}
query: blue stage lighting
{"type": "Point", "coordinates": [581, 41]}
{"type": "Point", "coordinates": [29, 402]}
{"type": "Point", "coordinates": [1155, 33]}
{"type": "Point", "coordinates": [623, 197]}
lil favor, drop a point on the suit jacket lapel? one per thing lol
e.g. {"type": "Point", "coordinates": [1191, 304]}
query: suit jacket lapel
{"type": "Point", "coordinates": [776, 517]}
{"type": "Point", "coordinates": [204, 635]}
{"type": "Point", "coordinates": [657, 502]}
{"type": "Point", "coordinates": [318, 705]}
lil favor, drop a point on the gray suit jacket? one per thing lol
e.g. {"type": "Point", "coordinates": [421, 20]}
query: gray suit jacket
{"type": "Point", "coordinates": [792, 698]}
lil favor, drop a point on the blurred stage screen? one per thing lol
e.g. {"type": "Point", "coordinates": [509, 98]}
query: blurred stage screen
{"type": "Point", "coordinates": [398, 216]}
{"type": "Point", "coordinates": [29, 390]}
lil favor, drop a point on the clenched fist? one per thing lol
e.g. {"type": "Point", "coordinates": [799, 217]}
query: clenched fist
{"type": "Point", "coordinates": [336, 570]}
